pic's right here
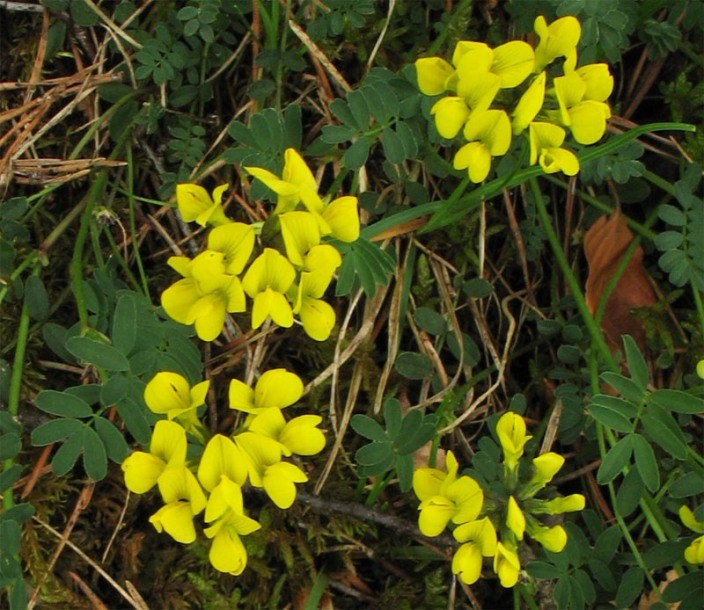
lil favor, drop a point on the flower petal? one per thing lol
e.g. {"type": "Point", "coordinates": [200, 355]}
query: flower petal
{"type": "Point", "coordinates": [227, 553]}
{"type": "Point", "coordinates": [278, 483]}
{"type": "Point", "coordinates": [433, 74]}
{"type": "Point", "coordinates": [178, 301]}
{"type": "Point", "coordinates": [169, 442]}
{"type": "Point", "coordinates": [530, 104]}
{"type": "Point", "coordinates": [302, 436]}
{"type": "Point", "coordinates": [167, 391]}
{"type": "Point", "coordinates": [221, 457]}
{"type": "Point", "coordinates": [300, 233]}
{"type": "Point", "coordinates": [277, 388]}
{"type": "Point", "coordinates": [342, 216]}
{"type": "Point", "coordinates": [236, 242]}
{"type": "Point", "coordinates": [141, 471]}
{"type": "Point", "coordinates": [318, 318]}
{"type": "Point", "coordinates": [467, 563]}
{"type": "Point", "coordinates": [513, 62]}
{"type": "Point", "coordinates": [176, 519]}
{"type": "Point", "coordinates": [451, 113]}
{"type": "Point", "coordinates": [209, 313]}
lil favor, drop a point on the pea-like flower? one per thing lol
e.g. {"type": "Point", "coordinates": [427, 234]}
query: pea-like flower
{"type": "Point", "coordinates": [694, 553]}
{"type": "Point", "coordinates": [515, 519]}
{"type": "Point", "coordinates": [275, 388]}
{"type": "Point", "coordinates": [221, 459]}
{"type": "Point", "coordinates": [266, 281]}
{"type": "Point", "coordinates": [511, 430]}
{"type": "Point", "coordinates": [317, 316]}
{"type": "Point", "coordinates": [529, 105]}
{"type": "Point", "coordinates": [506, 564]}
{"type": "Point", "coordinates": [205, 295]}
{"type": "Point", "coordinates": [488, 134]}
{"type": "Point", "coordinates": [235, 241]}
{"type": "Point", "coordinates": [194, 203]}
{"type": "Point", "coordinates": [478, 540]}
{"type": "Point", "coordinates": [266, 469]}
{"type": "Point", "coordinates": [568, 504]}
{"type": "Point", "coordinates": [559, 39]}
{"type": "Point", "coordinates": [225, 510]}
{"type": "Point", "coordinates": [170, 394]}
{"type": "Point", "coordinates": [552, 539]}
{"type": "Point", "coordinates": [300, 232]}
{"type": "Point", "coordinates": [445, 497]}
{"type": "Point", "coordinates": [183, 499]}
{"type": "Point", "coordinates": [297, 184]}
{"type": "Point", "coordinates": [167, 448]}
{"type": "Point", "coordinates": [300, 435]}
{"type": "Point", "coordinates": [545, 142]}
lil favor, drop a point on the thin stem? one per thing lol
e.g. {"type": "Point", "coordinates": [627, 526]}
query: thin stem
{"type": "Point", "coordinates": [592, 327]}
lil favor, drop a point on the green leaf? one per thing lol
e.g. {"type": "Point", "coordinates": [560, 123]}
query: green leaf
{"type": "Point", "coordinates": [10, 446]}
{"type": "Point", "coordinates": [408, 140]}
{"type": "Point", "coordinates": [114, 390]}
{"type": "Point", "coordinates": [672, 216]}
{"type": "Point", "coordinates": [54, 431]}
{"type": "Point", "coordinates": [624, 386]}
{"type": "Point", "coordinates": [55, 337]}
{"type": "Point", "coordinates": [630, 492]}
{"type": "Point", "coordinates": [337, 134]}
{"type": "Point", "coordinates": [393, 418]}
{"type": "Point", "coordinates": [293, 126]}
{"type": "Point", "coordinates": [615, 460]}
{"type": "Point", "coordinates": [603, 574]}
{"type": "Point", "coordinates": [115, 445]}
{"type": "Point", "coordinates": [544, 570]}
{"type": "Point", "coordinates": [368, 428]}
{"type": "Point", "coordinates": [637, 366]}
{"type": "Point", "coordinates": [413, 365]}
{"type": "Point", "coordinates": [373, 453]}
{"type": "Point", "coordinates": [689, 589]}
{"type": "Point", "coordinates": [665, 554]}
{"type": "Point", "coordinates": [67, 455]}
{"type": "Point", "coordinates": [659, 427]}
{"type": "Point", "coordinates": [63, 404]}
{"type": "Point", "coordinates": [404, 470]}
{"type": "Point", "coordinates": [677, 401]}
{"type": "Point", "coordinates": [607, 543]}
{"type": "Point", "coordinates": [89, 392]}
{"type": "Point", "coordinates": [477, 288]}
{"type": "Point", "coordinates": [37, 298]}
{"type": "Point", "coordinates": [631, 587]}
{"type": "Point", "coordinates": [135, 420]}
{"type": "Point", "coordinates": [124, 323]}
{"type": "Point", "coordinates": [357, 154]}
{"type": "Point", "coordinates": [472, 356]}
{"type": "Point", "coordinates": [689, 484]}
{"type": "Point", "coordinates": [100, 354]}
{"type": "Point", "coordinates": [392, 145]}
{"type": "Point", "coordinates": [612, 412]}
{"type": "Point", "coordinates": [95, 460]}
{"type": "Point", "coordinates": [359, 108]}
{"type": "Point", "coordinates": [10, 476]}
{"type": "Point", "coordinates": [646, 463]}
{"type": "Point", "coordinates": [416, 439]}
{"type": "Point", "coordinates": [430, 320]}
{"type": "Point", "coordinates": [342, 111]}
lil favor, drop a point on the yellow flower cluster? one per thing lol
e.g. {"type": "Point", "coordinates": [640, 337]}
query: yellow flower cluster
{"type": "Point", "coordinates": [481, 104]}
{"type": "Point", "coordinates": [489, 524]}
{"type": "Point", "coordinates": [280, 285]}
{"type": "Point", "coordinates": [213, 482]}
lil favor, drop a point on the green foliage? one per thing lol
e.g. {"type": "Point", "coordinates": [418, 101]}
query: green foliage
{"type": "Point", "coordinates": [392, 447]}
{"type": "Point", "coordinates": [645, 417]}
{"type": "Point", "coordinates": [385, 107]}
{"type": "Point", "coordinates": [337, 15]}
{"type": "Point", "coordinates": [683, 245]}
{"type": "Point", "coordinates": [363, 263]}
{"type": "Point", "coordinates": [621, 165]}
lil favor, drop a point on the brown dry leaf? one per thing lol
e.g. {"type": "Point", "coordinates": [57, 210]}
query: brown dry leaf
{"type": "Point", "coordinates": [647, 600]}
{"type": "Point", "coordinates": [604, 246]}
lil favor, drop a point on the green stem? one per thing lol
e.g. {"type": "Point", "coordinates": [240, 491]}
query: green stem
{"type": "Point", "coordinates": [133, 222]}
{"type": "Point", "coordinates": [13, 406]}
{"type": "Point", "coordinates": [592, 327]}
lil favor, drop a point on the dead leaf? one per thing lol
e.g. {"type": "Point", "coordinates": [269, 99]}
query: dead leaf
{"type": "Point", "coordinates": [647, 600]}
{"type": "Point", "coordinates": [604, 246]}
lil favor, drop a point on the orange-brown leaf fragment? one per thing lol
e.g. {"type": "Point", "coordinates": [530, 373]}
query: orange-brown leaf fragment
{"type": "Point", "coordinates": [604, 246]}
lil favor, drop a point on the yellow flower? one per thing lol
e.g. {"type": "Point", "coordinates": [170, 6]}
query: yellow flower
{"type": "Point", "coordinates": [167, 447]}
{"type": "Point", "coordinates": [183, 499]}
{"type": "Point", "coordinates": [700, 369]}
{"type": "Point", "coordinates": [266, 281]}
{"type": "Point", "coordinates": [341, 219]}
{"type": "Point", "coordinates": [445, 497]}
{"type": "Point", "coordinates": [300, 232]}
{"type": "Point", "coordinates": [300, 436]}
{"type": "Point", "coordinates": [529, 105]}
{"type": "Point", "coordinates": [489, 135]}
{"type": "Point", "coordinates": [559, 39]}
{"type": "Point", "coordinates": [451, 114]}
{"type": "Point", "coordinates": [694, 553]}
{"type": "Point", "coordinates": [506, 564]}
{"type": "Point", "coordinates": [545, 142]}
{"type": "Point", "coordinates": [205, 294]}
{"type": "Point", "coordinates": [170, 394]}
{"type": "Point", "coordinates": [194, 203]}
{"type": "Point", "coordinates": [267, 470]}
{"type": "Point", "coordinates": [221, 459]}
{"type": "Point", "coordinates": [317, 316]}
{"type": "Point", "coordinates": [552, 539]}
{"type": "Point", "coordinates": [297, 184]}
{"type": "Point", "coordinates": [275, 388]}
{"type": "Point", "coordinates": [545, 467]}
{"type": "Point", "coordinates": [579, 110]}
{"type": "Point", "coordinates": [225, 510]}
{"type": "Point", "coordinates": [515, 519]}
{"type": "Point", "coordinates": [235, 241]}
{"type": "Point", "coordinates": [568, 504]}
{"type": "Point", "coordinates": [433, 74]}
{"type": "Point", "coordinates": [511, 430]}
{"type": "Point", "coordinates": [479, 540]}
